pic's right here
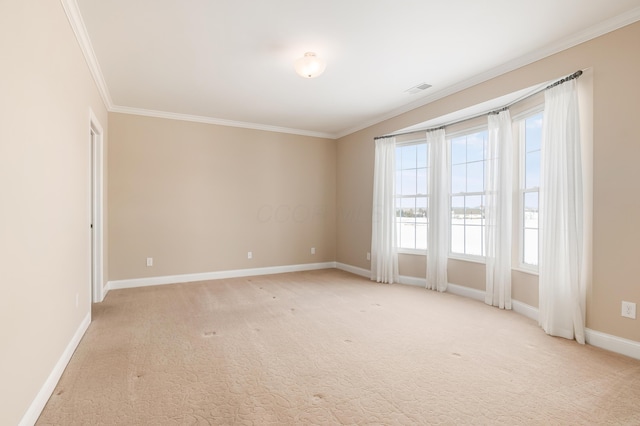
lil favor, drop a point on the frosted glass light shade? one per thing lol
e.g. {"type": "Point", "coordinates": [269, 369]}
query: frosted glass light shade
{"type": "Point", "coordinates": [310, 65]}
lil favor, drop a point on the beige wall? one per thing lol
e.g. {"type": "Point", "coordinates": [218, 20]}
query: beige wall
{"type": "Point", "coordinates": [613, 60]}
{"type": "Point", "coordinates": [46, 93]}
{"type": "Point", "coordinates": [197, 197]}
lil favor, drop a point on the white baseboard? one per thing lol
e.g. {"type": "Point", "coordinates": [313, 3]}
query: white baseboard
{"type": "Point", "coordinates": [354, 270]}
{"type": "Point", "coordinates": [463, 291]}
{"type": "Point", "coordinates": [595, 338]}
{"type": "Point", "coordinates": [205, 276]}
{"type": "Point", "coordinates": [418, 282]}
{"type": "Point", "coordinates": [524, 309]}
{"type": "Point", "coordinates": [458, 290]}
{"type": "Point", "coordinates": [105, 289]}
{"type": "Point", "coordinates": [402, 279]}
{"type": "Point", "coordinates": [612, 343]}
{"type": "Point", "coordinates": [36, 407]}
{"type": "Point", "coordinates": [605, 341]}
{"type": "Point", "coordinates": [609, 342]}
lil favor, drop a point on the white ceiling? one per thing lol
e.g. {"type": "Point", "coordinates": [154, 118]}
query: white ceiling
{"type": "Point", "coordinates": [231, 61]}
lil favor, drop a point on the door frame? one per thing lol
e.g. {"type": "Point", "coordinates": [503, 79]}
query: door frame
{"type": "Point", "coordinates": [97, 208]}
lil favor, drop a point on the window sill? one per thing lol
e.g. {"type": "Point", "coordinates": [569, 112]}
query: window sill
{"type": "Point", "coordinates": [525, 270]}
{"type": "Point", "coordinates": [474, 259]}
{"type": "Point", "coordinates": [415, 252]}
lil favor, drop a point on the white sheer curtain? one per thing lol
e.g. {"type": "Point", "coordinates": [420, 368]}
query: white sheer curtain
{"type": "Point", "coordinates": [438, 213]}
{"type": "Point", "coordinates": [562, 284]}
{"type": "Point", "coordinates": [499, 175]}
{"type": "Point", "coordinates": [384, 254]}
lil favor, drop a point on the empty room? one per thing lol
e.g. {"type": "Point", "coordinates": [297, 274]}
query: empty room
{"type": "Point", "coordinates": [333, 212]}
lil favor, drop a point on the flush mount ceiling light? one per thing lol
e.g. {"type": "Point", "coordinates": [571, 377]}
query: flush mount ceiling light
{"type": "Point", "coordinates": [309, 66]}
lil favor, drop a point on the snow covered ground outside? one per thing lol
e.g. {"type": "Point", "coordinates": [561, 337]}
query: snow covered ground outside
{"type": "Point", "coordinates": [412, 233]}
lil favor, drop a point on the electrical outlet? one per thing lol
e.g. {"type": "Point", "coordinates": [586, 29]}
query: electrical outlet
{"type": "Point", "coordinates": [249, 255]}
{"type": "Point", "coordinates": [629, 309]}
{"type": "Point", "coordinates": [149, 261]}
{"type": "Point", "coordinates": [368, 256]}
{"type": "Point", "coordinates": [313, 250]}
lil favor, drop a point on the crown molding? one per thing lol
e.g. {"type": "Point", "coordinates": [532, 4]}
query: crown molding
{"type": "Point", "coordinates": [218, 121]}
{"type": "Point", "coordinates": [595, 31]}
{"type": "Point", "coordinates": [77, 24]}
{"type": "Point", "coordinates": [80, 30]}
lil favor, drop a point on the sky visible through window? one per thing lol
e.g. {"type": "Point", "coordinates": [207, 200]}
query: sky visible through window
{"type": "Point", "coordinates": [531, 189]}
{"type": "Point", "coordinates": [467, 193]}
{"type": "Point", "coordinates": [467, 161]}
{"type": "Point", "coordinates": [411, 196]}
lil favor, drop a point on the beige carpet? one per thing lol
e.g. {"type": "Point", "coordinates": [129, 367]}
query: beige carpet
{"type": "Point", "coordinates": [328, 347]}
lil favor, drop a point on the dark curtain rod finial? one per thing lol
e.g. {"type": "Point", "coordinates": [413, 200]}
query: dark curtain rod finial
{"type": "Point", "coordinates": [564, 80]}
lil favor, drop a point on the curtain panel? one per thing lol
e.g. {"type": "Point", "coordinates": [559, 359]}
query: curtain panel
{"type": "Point", "coordinates": [384, 253]}
{"type": "Point", "coordinates": [498, 206]}
{"type": "Point", "coordinates": [562, 283]}
{"type": "Point", "coordinates": [438, 214]}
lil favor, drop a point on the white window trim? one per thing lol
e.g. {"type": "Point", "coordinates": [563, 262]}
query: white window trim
{"type": "Point", "coordinates": [422, 252]}
{"type": "Point", "coordinates": [527, 269]}
{"type": "Point", "coordinates": [468, 257]}
{"type": "Point", "coordinates": [463, 256]}
{"type": "Point", "coordinates": [519, 265]}
{"type": "Point", "coordinates": [419, 141]}
{"type": "Point", "coordinates": [465, 132]}
{"type": "Point", "coordinates": [521, 120]}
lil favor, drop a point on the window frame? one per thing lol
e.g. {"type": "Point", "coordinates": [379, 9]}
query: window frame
{"type": "Point", "coordinates": [415, 142]}
{"type": "Point", "coordinates": [519, 125]}
{"type": "Point", "coordinates": [520, 121]}
{"type": "Point", "coordinates": [449, 137]}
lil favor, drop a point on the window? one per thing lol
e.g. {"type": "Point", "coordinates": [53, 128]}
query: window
{"type": "Point", "coordinates": [412, 201]}
{"type": "Point", "coordinates": [530, 143]}
{"type": "Point", "coordinates": [467, 193]}
{"type": "Point", "coordinates": [468, 158]}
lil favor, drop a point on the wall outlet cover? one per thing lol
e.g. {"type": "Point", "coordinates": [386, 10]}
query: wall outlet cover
{"type": "Point", "coordinates": [629, 310]}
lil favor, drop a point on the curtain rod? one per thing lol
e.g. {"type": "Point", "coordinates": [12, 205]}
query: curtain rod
{"type": "Point", "coordinates": [496, 111]}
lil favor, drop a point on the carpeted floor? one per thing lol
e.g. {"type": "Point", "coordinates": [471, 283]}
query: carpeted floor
{"type": "Point", "coordinates": [328, 347]}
